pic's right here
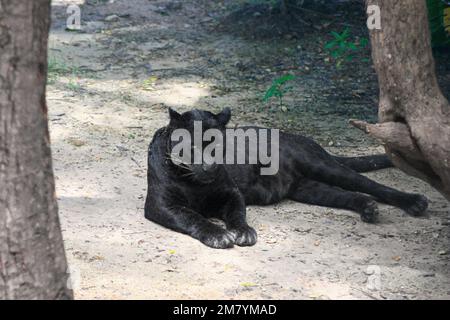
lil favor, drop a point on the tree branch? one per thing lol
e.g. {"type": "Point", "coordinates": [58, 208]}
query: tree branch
{"type": "Point", "coordinates": [394, 135]}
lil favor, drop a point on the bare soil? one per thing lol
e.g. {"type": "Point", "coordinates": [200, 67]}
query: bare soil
{"type": "Point", "coordinates": [110, 87]}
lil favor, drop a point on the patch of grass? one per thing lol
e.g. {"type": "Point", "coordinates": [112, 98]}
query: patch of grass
{"type": "Point", "coordinates": [73, 85]}
{"type": "Point", "coordinates": [57, 68]}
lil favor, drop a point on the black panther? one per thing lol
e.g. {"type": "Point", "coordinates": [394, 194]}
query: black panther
{"type": "Point", "coordinates": [183, 197]}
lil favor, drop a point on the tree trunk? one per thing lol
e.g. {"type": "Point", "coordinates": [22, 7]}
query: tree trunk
{"type": "Point", "coordinates": [414, 115]}
{"type": "Point", "coordinates": [32, 258]}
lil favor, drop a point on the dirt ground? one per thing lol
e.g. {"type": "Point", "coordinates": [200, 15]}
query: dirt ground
{"type": "Point", "coordinates": [109, 88]}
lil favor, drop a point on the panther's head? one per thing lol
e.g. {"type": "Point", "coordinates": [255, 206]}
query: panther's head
{"type": "Point", "coordinates": [209, 120]}
{"type": "Point", "coordinates": [185, 128]}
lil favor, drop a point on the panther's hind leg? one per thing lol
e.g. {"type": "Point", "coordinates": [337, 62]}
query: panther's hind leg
{"type": "Point", "coordinates": [365, 163]}
{"type": "Point", "coordinates": [333, 173]}
{"type": "Point", "coordinates": [318, 193]}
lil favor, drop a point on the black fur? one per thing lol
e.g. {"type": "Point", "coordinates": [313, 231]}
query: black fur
{"type": "Point", "coordinates": [183, 198]}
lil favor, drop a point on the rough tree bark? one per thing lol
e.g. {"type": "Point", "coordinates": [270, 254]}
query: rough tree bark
{"type": "Point", "coordinates": [32, 258]}
{"type": "Point", "coordinates": [414, 115]}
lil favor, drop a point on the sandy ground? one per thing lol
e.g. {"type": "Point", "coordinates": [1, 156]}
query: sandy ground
{"type": "Point", "coordinates": [111, 87]}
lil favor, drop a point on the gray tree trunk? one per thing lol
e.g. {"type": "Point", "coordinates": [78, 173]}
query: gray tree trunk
{"type": "Point", "coordinates": [413, 113]}
{"type": "Point", "coordinates": [32, 258]}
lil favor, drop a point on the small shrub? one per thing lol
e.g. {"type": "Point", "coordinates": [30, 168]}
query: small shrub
{"type": "Point", "coordinates": [342, 48]}
{"type": "Point", "coordinates": [279, 88]}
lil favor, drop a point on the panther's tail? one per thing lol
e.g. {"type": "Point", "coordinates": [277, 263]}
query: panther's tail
{"type": "Point", "coordinates": [365, 163]}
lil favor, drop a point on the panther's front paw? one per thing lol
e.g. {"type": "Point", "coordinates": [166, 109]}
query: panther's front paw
{"type": "Point", "coordinates": [217, 238]}
{"type": "Point", "coordinates": [245, 236]}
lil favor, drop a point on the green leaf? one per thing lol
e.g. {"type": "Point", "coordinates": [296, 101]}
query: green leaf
{"type": "Point", "coordinates": [335, 54]}
{"type": "Point", "coordinates": [352, 46]}
{"type": "Point", "coordinates": [335, 35]}
{"type": "Point", "coordinates": [276, 89]}
{"type": "Point", "coordinates": [269, 93]}
{"type": "Point", "coordinates": [330, 45]}
{"type": "Point", "coordinates": [345, 34]}
{"type": "Point", "coordinates": [283, 79]}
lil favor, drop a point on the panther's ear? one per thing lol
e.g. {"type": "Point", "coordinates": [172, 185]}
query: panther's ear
{"type": "Point", "coordinates": [175, 117]}
{"type": "Point", "coordinates": [224, 116]}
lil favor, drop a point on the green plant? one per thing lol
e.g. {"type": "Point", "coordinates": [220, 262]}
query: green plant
{"type": "Point", "coordinates": [342, 48]}
{"type": "Point", "coordinates": [279, 88]}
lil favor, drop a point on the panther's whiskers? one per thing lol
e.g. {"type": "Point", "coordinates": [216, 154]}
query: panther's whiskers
{"type": "Point", "coordinates": [178, 163]}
